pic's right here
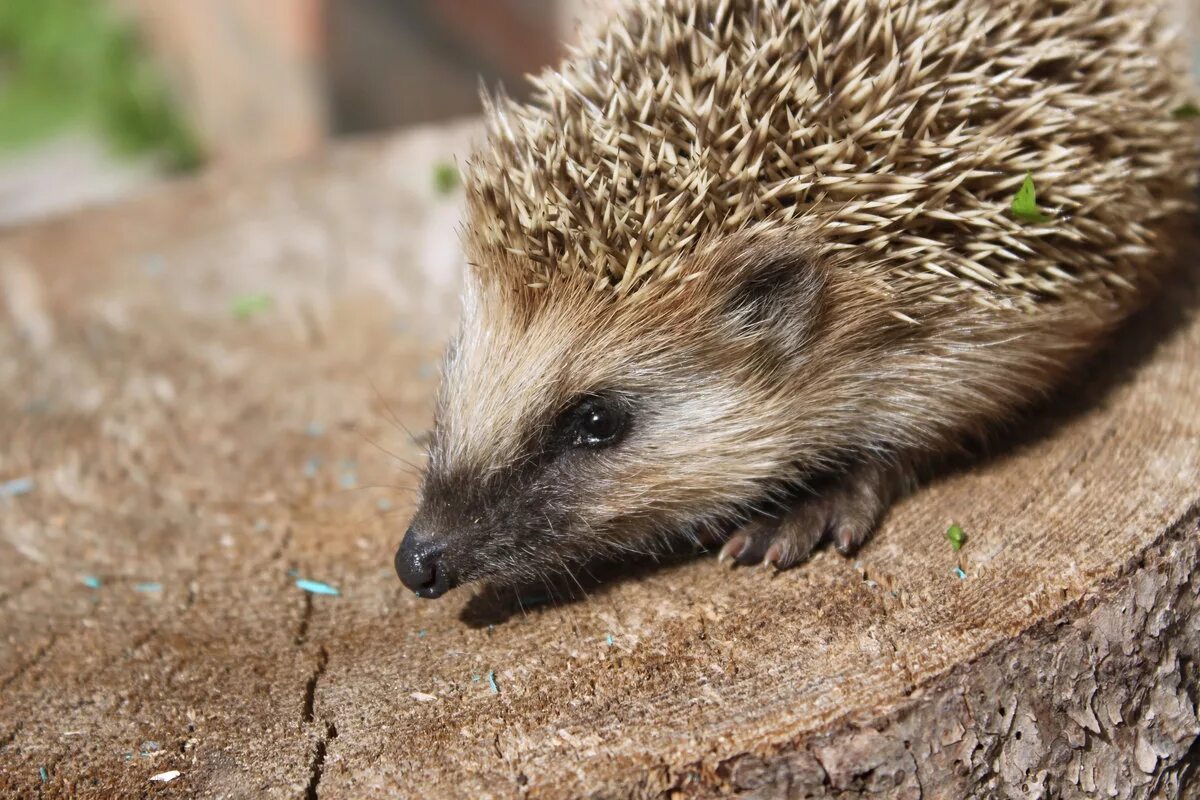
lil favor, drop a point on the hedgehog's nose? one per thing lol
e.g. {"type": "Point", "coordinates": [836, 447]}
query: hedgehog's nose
{"type": "Point", "coordinates": [422, 565]}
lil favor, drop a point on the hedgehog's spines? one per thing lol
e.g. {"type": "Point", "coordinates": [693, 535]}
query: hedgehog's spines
{"type": "Point", "coordinates": [898, 130]}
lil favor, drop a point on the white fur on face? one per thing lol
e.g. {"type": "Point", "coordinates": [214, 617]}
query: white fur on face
{"type": "Point", "coordinates": [702, 438]}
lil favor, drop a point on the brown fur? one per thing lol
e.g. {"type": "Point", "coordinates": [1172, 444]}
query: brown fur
{"type": "Point", "coordinates": [842, 291]}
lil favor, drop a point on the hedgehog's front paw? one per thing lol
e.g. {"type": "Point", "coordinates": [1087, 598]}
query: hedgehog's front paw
{"type": "Point", "coordinates": [847, 511]}
{"type": "Point", "coordinates": [781, 541]}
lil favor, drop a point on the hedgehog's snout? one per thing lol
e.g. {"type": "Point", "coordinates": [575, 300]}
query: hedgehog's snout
{"type": "Point", "coordinates": [423, 564]}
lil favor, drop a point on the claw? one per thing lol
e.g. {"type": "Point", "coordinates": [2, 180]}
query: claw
{"type": "Point", "coordinates": [845, 511]}
{"type": "Point", "coordinates": [733, 548]}
{"type": "Point", "coordinates": [847, 539]}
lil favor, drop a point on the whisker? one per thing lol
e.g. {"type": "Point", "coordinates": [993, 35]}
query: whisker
{"type": "Point", "coordinates": [387, 452]}
{"type": "Point", "coordinates": [345, 489]}
{"type": "Point", "coordinates": [388, 408]}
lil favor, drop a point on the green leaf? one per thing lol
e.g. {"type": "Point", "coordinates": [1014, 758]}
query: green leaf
{"type": "Point", "coordinates": [1186, 111]}
{"type": "Point", "coordinates": [250, 305]}
{"type": "Point", "coordinates": [1024, 205]}
{"type": "Point", "coordinates": [445, 178]}
{"type": "Point", "coordinates": [956, 536]}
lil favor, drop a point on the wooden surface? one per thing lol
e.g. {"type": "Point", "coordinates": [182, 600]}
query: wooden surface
{"type": "Point", "coordinates": [170, 443]}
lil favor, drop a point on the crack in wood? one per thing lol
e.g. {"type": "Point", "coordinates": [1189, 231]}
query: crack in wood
{"type": "Point", "coordinates": [305, 619]}
{"type": "Point", "coordinates": [30, 664]}
{"type": "Point", "coordinates": [139, 642]}
{"type": "Point", "coordinates": [317, 767]}
{"type": "Point", "coordinates": [317, 770]}
{"type": "Point", "coordinates": [310, 689]}
{"type": "Point", "coordinates": [45, 649]}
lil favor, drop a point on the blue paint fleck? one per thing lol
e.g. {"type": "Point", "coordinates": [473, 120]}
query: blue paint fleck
{"type": "Point", "coordinates": [316, 587]}
{"type": "Point", "coordinates": [383, 504]}
{"type": "Point", "coordinates": [43, 774]}
{"type": "Point", "coordinates": [958, 571]}
{"type": "Point", "coordinates": [349, 479]}
{"type": "Point", "coordinates": [91, 581]}
{"type": "Point", "coordinates": [476, 678]}
{"type": "Point", "coordinates": [293, 572]}
{"type": "Point", "coordinates": [312, 466]}
{"type": "Point", "coordinates": [491, 676]}
{"type": "Point", "coordinates": [16, 487]}
{"type": "Point", "coordinates": [148, 586]}
{"type": "Point", "coordinates": [421, 634]}
{"type": "Point", "coordinates": [315, 430]}
{"type": "Point", "coordinates": [608, 638]}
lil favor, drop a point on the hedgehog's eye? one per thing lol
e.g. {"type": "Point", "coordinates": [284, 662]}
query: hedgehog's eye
{"type": "Point", "coordinates": [595, 422]}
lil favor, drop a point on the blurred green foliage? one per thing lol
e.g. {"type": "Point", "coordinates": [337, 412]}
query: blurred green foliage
{"type": "Point", "coordinates": [445, 178]}
{"type": "Point", "coordinates": [74, 63]}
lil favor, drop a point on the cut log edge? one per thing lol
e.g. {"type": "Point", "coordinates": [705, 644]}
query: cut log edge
{"type": "Point", "coordinates": [1097, 700]}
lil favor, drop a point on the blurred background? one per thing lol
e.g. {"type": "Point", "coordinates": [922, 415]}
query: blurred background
{"type": "Point", "coordinates": [101, 97]}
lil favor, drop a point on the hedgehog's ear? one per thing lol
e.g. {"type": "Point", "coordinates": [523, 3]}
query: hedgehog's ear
{"type": "Point", "coordinates": [775, 289]}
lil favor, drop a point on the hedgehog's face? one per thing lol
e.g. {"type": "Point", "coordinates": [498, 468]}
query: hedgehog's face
{"type": "Point", "coordinates": [575, 423]}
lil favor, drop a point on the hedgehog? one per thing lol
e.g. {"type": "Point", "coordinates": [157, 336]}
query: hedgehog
{"type": "Point", "coordinates": [741, 269]}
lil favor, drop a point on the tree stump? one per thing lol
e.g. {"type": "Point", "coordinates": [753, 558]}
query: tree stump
{"type": "Point", "coordinates": [205, 396]}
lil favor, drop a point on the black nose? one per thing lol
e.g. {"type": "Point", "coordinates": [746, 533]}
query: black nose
{"type": "Point", "coordinates": [422, 565]}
